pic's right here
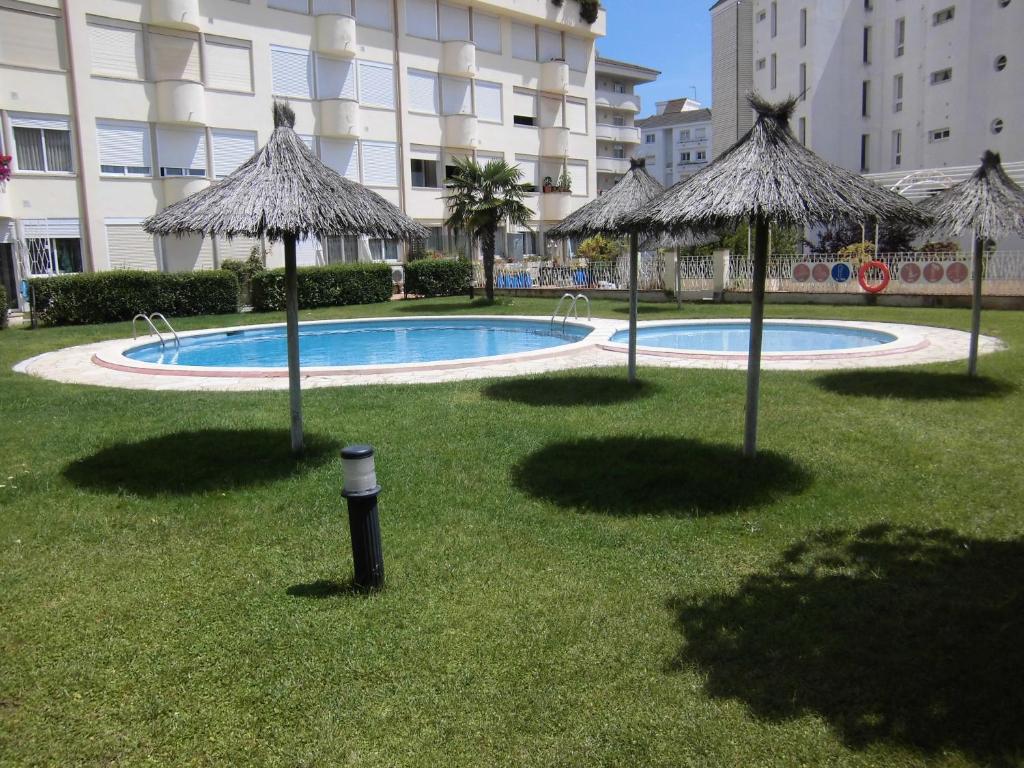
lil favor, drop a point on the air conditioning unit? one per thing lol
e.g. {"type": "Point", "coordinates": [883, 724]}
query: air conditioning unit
{"type": "Point", "coordinates": [398, 275]}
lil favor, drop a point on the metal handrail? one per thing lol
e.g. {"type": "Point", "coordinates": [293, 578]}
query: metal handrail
{"type": "Point", "coordinates": [152, 328]}
{"type": "Point", "coordinates": [558, 306]}
{"type": "Point", "coordinates": [575, 313]}
{"type": "Point", "coordinates": [177, 341]}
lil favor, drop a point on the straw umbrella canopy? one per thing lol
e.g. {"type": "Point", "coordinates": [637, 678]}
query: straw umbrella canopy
{"type": "Point", "coordinates": [606, 215]}
{"type": "Point", "coordinates": [989, 205]}
{"type": "Point", "coordinates": [284, 192]}
{"type": "Point", "coordinates": [767, 177]}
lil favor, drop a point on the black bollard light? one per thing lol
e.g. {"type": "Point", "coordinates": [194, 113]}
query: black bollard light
{"type": "Point", "coordinates": [361, 491]}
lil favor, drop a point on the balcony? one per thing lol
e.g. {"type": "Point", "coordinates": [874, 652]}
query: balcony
{"type": "Point", "coordinates": [336, 35]}
{"type": "Point", "coordinates": [458, 58]}
{"type": "Point", "coordinates": [180, 101]}
{"type": "Point", "coordinates": [698, 141]}
{"type": "Point", "coordinates": [621, 134]}
{"type": "Point", "coordinates": [555, 206]}
{"type": "Point", "coordinates": [554, 141]}
{"type": "Point", "coordinates": [177, 188]}
{"type": "Point", "coordinates": [611, 100]}
{"type": "Point", "coordinates": [612, 164]}
{"type": "Point", "coordinates": [339, 117]}
{"type": "Point", "coordinates": [554, 76]}
{"type": "Point", "coordinates": [461, 131]}
{"type": "Point", "coordinates": [180, 14]}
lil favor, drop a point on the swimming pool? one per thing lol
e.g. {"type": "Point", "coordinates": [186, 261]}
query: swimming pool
{"type": "Point", "coordinates": [735, 337]}
{"type": "Point", "coordinates": [362, 343]}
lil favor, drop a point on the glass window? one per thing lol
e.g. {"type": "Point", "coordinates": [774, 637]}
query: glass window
{"type": "Point", "coordinates": [40, 149]}
{"type": "Point", "coordinates": [424, 173]}
{"type": "Point", "coordinates": [54, 255]}
{"type": "Point", "coordinates": [383, 250]}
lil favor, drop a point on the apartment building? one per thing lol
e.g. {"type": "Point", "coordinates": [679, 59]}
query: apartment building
{"type": "Point", "coordinates": [732, 70]}
{"type": "Point", "coordinates": [113, 109]}
{"type": "Point", "coordinates": [895, 87]}
{"type": "Point", "coordinates": [617, 107]}
{"type": "Point", "coordinates": [677, 141]}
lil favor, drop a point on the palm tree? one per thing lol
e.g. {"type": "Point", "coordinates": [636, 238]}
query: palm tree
{"type": "Point", "coordinates": [480, 199]}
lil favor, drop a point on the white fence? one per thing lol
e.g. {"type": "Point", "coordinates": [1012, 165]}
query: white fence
{"type": "Point", "coordinates": [600, 275]}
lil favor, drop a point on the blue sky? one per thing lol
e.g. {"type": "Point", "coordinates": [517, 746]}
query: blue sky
{"type": "Point", "coordinates": [671, 35]}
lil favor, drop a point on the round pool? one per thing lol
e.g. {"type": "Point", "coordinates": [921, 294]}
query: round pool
{"type": "Point", "coordinates": [364, 342]}
{"type": "Point", "coordinates": [735, 337]}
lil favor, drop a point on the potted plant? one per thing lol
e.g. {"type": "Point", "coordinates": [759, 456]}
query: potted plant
{"type": "Point", "coordinates": [565, 181]}
{"type": "Point", "coordinates": [548, 185]}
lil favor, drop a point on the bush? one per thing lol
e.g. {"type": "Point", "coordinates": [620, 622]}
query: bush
{"type": "Point", "coordinates": [245, 271]}
{"type": "Point", "coordinates": [438, 277]}
{"type": "Point", "coordinates": [599, 248]}
{"type": "Point", "coordinates": [3, 308]}
{"type": "Point", "coordinates": [106, 297]}
{"type": "Point", "coordinates": [333, 286]}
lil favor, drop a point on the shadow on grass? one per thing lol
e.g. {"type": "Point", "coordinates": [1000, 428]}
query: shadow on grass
{"type": "Point", "coordinates": [890, 634]}
{"type": "Point", "coordinates": [185, 463]}
{"type": "Point", "coordinates": [913, 385]}
{"type": "Point", "coordinates": [445, 305]}
{"type": "Point", "coordinates": [648, 309]}
{"type": "Point", "coordinates": [569, 390]}
{"type": "Point", "coordinates": [324, 588]}
{"type": "Point", "coordinates": [660, 475]}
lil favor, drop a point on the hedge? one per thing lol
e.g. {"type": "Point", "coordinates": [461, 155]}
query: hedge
{"type": "Point", "coordinates": [438, 277]}
{"type": "Point", "coordinates": [106, 297]}
{"type": "Point", "coordinates": [3, 308]}
{"type": "Point", "coordinates": [332, 286]}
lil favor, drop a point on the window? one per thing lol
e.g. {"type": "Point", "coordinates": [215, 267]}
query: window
{"type": "Point", "coordinates": [383, 250]}
{"type": "Point", "coordinates": [649, 138]}
{"type": "Point", "coordinates": [231, 149]}
{"type": "Point", "coordinates": [942, 75]}
{"type": "Point", "coordinates": [54, 255]}
{"type": "Point", "coordinates": [865, 146]}
{"type": "Point", "coordinates": [124, 148]}
{"type": "Point", "coordinates": [424, 92]}
{"type": "Point", "coordinates": [521, 244]}
{"type": "Point", "coordinates": [803, 27]}
{"type": "Point", "coordinates": [762, 63]}
{"type": "Point", "coordinates": [181, 151]}
{"type": "Point", "coordinates": [524, 106]}
{"type": "Point", "coordinates": [228, 64]}
{"type": "Point", "coordinates": [684, 157]}
{"type": "Point", "coordinates": [374, 13]}
{"type": "Point", "coordinates": [342, 155]}
{"type": "Point", "coordinates": [376, 84]}
{"type": "Point", "coordinates": [298, 6]}
{"type": "Point", "coordinates": [865, 98]}
{"type": "Point", "coordinates": [131, 247]}
{"type": "Point", "coordinates": [117, 49]}
{"type": "Point", "coordinates": [869, 5]}
{"type": "Point", "coordinates": [684, 135]}
{"type": "Point", "coordinates": [700, 133]}
{"type": "Point", "coordinates": [456, 96]}
{"type": "Point", "coordinates": [551, 112]}
{"type": "Point", "coordinates": [803, 82]}
{"type": "Point", "coordinates": [997, 125]}
{"type": "Point", "coordinates": [173, 56]}
{"type": "Point", "coordinates": [802, 130]}
{"type": "Point", "coordinates": [335, 78]}
{"type": "Point", "coordinates": [775, 18]}
{"type": "Point", "coordinates": [549, 44]}
{"type": "Point", "coordinates": [343, 7]}
{"type": "Point", "coordinates": [866, 49]}
{"type": "Point", "coordinates": [946, 14]}
{"type": "Point", "coordinates": [424, 173]}
{"type": "Point", "coordinates": [897, 149]}
{"type": "Point", "coordinates": [524, 42]}
{"type": "Point", "coordinates": [421, 18]}
{"type": "Point", "coordinates": [486, 32]}
{"type": "Point", "coordinates": [488, 101]}
{"type": "Point", "coordinates": [42, 143]}
{"type": "Point", "coordinates": [1004, 3]}
{"type": "Point", "coordinates": [618, 152]}
{"type": "Point", "coordinates": [762, 15]}
{"type": "Point", "coordinates": [901, 36]}
{"type": "Point", "coordinates": [1000, 63]}
{"type": "Point", "coordinates": [291, 72]}
{"type": "Point", "coordinates": [897, 90]}
{"type": "Point", "coordinates": [702, 155]}
{"type": "Point", "coordinates": [938, 134]}
{"type": "Point", "coordinates": [380, 164]}
{"type": "Point", "coordinates": [576, 115]}
{"type": "Point", "coordinates": [774, 74]}
{"type": "Point", "coordinates": [31, 38]}
{"type": "Point", "coordinates": [577, 53]}
{"type": "Point", "coordinates": [341, 250]}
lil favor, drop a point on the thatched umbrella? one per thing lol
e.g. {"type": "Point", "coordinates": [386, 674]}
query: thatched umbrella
{"type": "Point", "coordinates": [606, 215]}
{"type": "Point", "coordinates": [767, 177]}
{"type": "Point", "coordinates": [285, 192]}
{"type": "Point", "coordinates": [989, 204]}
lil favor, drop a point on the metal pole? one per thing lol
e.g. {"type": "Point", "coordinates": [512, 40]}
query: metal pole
{"type": "Point", "coordinates": [756, 327]}
{"type": "Point", "coordinates": [633, 270]}
{"type": "Point", "coordinates": [972, 359]}
{"type": "Point", "coordinates": [291, 284]}
{"type": "Point", "coordinates": [679, 278]}
{"type": "Point", "coordinates": [361, 491]}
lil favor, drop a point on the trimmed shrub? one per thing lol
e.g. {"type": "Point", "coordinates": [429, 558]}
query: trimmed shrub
{"type": "Point", "coordinates": [244, 271]}
{"type": "Point", "coordinates": [337, 285]}
{"type": "Point", "coordinates": [438, 277]}
{"type": "Point", "coordinates": [3, 308]}
{"type": "Point", "coordinates": [107, 297]}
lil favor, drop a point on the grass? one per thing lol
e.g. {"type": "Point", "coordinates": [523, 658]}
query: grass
{"type": "Point", "coordinates": [579, 572]}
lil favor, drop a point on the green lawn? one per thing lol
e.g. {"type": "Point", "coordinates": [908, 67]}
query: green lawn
{"type": "Point", "coordinates": [579, 573]}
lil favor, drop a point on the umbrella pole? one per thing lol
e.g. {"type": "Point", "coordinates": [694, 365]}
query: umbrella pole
{"type": "Point", "coordinates": [972, 360]}
{"type": "Point", "coordinates": [291, 285]}
{"type": "Point", "coordinates": [756, 327]}
{"type": "Point", "coordinates": [633, 270]}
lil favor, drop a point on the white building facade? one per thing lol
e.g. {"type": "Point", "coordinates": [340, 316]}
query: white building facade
{"type": "Point", "coordinates": [617, 107]}
{"type": "Point", "coordinates": [677, 141]}
{"type": "Point", "coordinates": [114, 109]}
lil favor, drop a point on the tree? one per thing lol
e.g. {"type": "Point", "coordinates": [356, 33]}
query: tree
{"type": "Point", "coordinates": [480, 199]}
{"type": "Point", "coordinates": [599, 248]}
{"type": "Point", "coordinates": [891, 239]}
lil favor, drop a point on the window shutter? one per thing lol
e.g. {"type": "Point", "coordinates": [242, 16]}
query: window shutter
{"type": "Point", "coordinates": [423, 92]}
{"type": "Point", "coordinates": [122, 143]}
{"type": "Point", "coordinates": [528, 166]}
{"type": "Point", "coordinates": [454, 22]}
{"type": "Point", "coordinates": [430, 154]}
{"type": "Point", "coordinates": [487, 32]}
{"type": "Point", "coordinates": [455, 96]}
{"type": "Point", "coordinates": [44, 122]}
{"type": "Point", "coordinates": [524, 103]}
{"type": "Point", "coordinates": [488, 101]}
{"type": "Point", "coordinates": [380, 164]}
{"type": "Point", "coordinates": [299, 6]}
{"type": "Point", "coordinates": [231, 149]}
{"type": "Point", "coordinates": [117, 51]}
{"type": "Point", "coordinates": [335, 78]}
{"type": "Point", "coordinates": [550, 112]}
{"type": "Point", "coordinates": [342, 156]}
{"type": "Point", "coordinates": [291, 72]}
{"type": "Point", "coordinates": [174, 57]}
{"type": "Point", "coordinates": [181, 148]}
{"type": "Point", "coordinates": [66, 228]}
{"type": "Point", "coordinates": [577, 53]}
{"type": "Point", "coordinates": [550, 44]}
{"type": "Point", "coordinates": [236, 248]}
{"type": "Point", "coordinates": [342, 7]}
{"type": "Point", "coordinates": [30, 39]}
{"type": "Point", "coordinates": [374, 13]}
{"type": "Point", "coordinates": [576, 115]}
{"type": "Point", "coordinates": [421, 18]}
{"type": "Point", "coordinates": [578, 174]}
{"type": "Point", "coordinates": [524, 42]}
{"type": "Point", "coordinates": [376, 84]}
{"type": "Point", "coordinates": [130, 247]}
{"type": "Point", "coordinates": [306, 252]}
{"type": "Point", "coordinates": [228, 65]}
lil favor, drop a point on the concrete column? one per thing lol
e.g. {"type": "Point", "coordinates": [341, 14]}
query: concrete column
{"type": "Point", "coordinates": [720, 261]}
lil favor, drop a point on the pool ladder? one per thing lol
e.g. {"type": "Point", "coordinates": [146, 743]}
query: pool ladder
{"type": "Point", "coordinates": [153, 329]}
{"type": "Point", "coordinates": [573, 301]}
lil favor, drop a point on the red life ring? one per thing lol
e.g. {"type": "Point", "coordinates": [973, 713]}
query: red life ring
{"type": "Point", "coordinates": [862, 277]}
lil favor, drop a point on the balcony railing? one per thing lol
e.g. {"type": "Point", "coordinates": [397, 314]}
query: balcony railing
{"type": "Point", "coordinates": [612, 164]}
{"type": "Point", "coordinates": [626, 134]}
{"type": "Point", "coordinates": [612, 100]}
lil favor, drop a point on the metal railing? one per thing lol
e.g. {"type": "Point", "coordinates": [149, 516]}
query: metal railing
{"type": "Point", "coordinates": [604, 275]}
{"type": "Point", "coordinates": [153, 329]}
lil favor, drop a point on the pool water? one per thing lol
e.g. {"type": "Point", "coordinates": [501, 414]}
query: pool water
{"type": "Point", "coordinates": [372, 342]}
{"type": "Point", "coordinates": [735, 337]}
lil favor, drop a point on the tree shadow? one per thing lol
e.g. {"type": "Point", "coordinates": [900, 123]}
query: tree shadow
{"type": "Point", "coordinates": [569, 390]}
{"type": "Point", "coordinates": [658, 475]}
{"type": "Point", "coordinates": [891, 634]}
{"type": "Point", "coordinates": [323, 589]}
{"type": "Point", "coordinates": [913, 385]}
{"type": "Point", "coordinates": [650, 309]}
{"type": "Point", "coordinates": [186, 463]}
{"type": "Point", "coordinates": [446, 305]}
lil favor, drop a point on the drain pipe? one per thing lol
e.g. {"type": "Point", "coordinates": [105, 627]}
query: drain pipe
{"type": "Point", "coordinates": [398, 109]}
